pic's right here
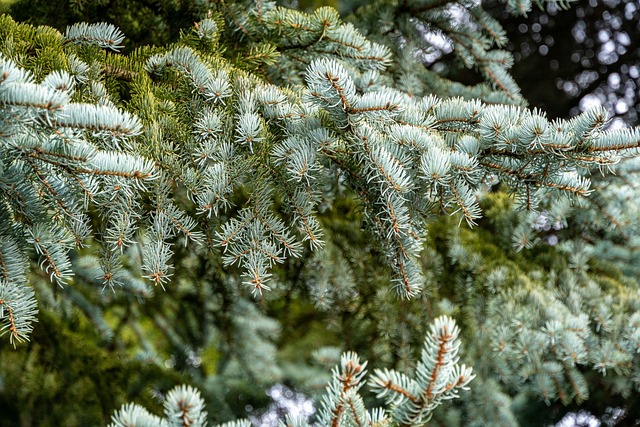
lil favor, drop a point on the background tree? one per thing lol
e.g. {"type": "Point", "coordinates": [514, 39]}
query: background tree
{"type": "Point", "coordinates": [590, 55]}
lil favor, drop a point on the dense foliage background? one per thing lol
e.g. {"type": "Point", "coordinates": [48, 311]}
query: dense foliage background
{"type": "Point", "coordinates": [94, 349]}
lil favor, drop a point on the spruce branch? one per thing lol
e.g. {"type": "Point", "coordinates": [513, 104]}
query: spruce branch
{"type": "Point", "coordinates": [104, 35]}
{"type": "Point", "coordinates": [438, 377]}
{"type": "Point", "coordinates": [18, 311]}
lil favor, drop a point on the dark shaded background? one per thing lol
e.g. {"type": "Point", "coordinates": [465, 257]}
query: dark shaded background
{"type": "Point", "coordinates": [568, 60]}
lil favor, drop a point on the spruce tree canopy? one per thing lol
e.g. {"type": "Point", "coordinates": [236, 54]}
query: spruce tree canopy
{"type": "Point", "coordinates": [205, 196]}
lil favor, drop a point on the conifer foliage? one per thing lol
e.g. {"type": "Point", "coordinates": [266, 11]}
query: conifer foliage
{"type": "Point", "coordinates": [237, 138]}
{"type": "Point", "coordinates": [411, 401]}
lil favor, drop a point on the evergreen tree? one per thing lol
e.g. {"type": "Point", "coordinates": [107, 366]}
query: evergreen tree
{"type": "Point", "coordinates": [221, 201]}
